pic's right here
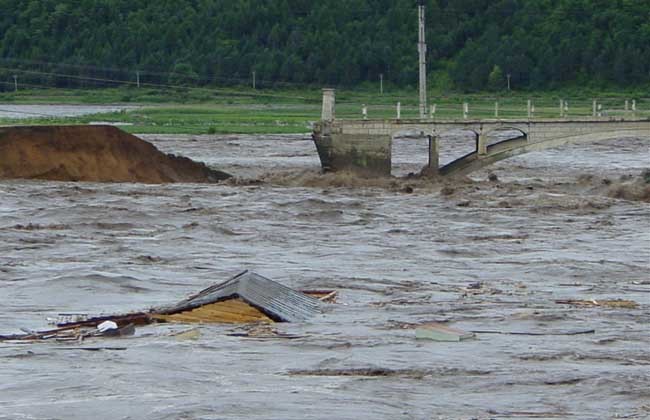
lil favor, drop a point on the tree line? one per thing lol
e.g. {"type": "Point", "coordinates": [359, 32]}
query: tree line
{"type": "Point", "coordinates": [473, 44]}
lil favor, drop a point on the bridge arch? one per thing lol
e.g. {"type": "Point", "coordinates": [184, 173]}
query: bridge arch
{"type": "Point", "coordinates": [505, 129]}
{"type": "Point", "coordinates": [410, 150]}
{"type": "Point", "coordinates": [519, 146]}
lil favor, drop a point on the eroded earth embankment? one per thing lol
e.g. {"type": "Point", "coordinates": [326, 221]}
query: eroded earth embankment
{"type": "Point", "coordinates": [93, 154]}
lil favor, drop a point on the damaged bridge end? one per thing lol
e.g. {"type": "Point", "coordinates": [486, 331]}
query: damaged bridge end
{"type": "Point", "coordinates": [350, 147]}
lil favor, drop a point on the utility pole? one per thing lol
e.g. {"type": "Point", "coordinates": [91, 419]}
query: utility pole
{"type": "Point", "coordinates": [422, 48]}
{"type": "Point", "coordinates": [381, 84]}
{"type": "Point", "coordinates": [254, 80]}
{"type": "Point", "coordinates": [16, 83]}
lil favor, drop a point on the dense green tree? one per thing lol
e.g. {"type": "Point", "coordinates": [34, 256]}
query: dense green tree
{"type": "Point", "coordinates": [540, 43]}
{"type": "Point", "coordinates": [496, 79]}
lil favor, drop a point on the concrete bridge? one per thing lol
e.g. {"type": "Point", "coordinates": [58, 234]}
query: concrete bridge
{"type": "Point", "coordinates": [365, 146]}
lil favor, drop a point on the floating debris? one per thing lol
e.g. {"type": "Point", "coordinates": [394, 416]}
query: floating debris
{"type": "Point", "coordinates": [192, 334]}
{"type": "Point", "coordinates": [262, 331]}
{"type": "Point", "coordinates": [439, 332]}
{"type": "Point", "coordinates": [571, 332]}
{"type": "Point", "coordinates": [617, 303]}
{"type": "Point", "coordinates": [245, 298]}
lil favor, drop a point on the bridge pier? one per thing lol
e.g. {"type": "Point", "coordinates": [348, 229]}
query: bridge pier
{"type": "Point", "coordinates": [481, 144]}
{"type": "Point", "coordinates": [364, 154]}
{"type": "Point", "coordinates": [432, 170]}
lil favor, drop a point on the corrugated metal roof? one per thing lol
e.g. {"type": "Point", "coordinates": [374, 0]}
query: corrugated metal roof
{"type": "Point", "coordinates": [279, 302]}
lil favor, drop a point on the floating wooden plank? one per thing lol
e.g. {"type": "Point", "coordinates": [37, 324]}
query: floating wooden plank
{"type": "Point", "coordinates": [438, 332]}
{"type": "Point", "coordinates": [616, 303]}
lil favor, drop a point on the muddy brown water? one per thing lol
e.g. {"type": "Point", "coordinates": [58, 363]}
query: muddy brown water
{"type": "Point", "coordinates": [547, 230]}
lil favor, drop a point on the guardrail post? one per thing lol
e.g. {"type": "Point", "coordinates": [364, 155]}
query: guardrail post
{"type": "Point", "coordinates": [399, 110]}
{"type": "Point", "coordinates": [364, 111]}
{"type": "Point", "coordinates": [594, 106]}
{"type": "Point", "coordinates": [529, 107]}
{"type": "Point", "coordinates": [433, 110]}
{"type": "Point", "coordinates": [465, 110]}
{"type": "Point", "coordinates": [496, 109]}
{"type": "Point", "coordinates": [561, 108]}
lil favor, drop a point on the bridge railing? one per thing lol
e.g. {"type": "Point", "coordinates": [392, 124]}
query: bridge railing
{"type": "Point", "coordinates": [458, 108]}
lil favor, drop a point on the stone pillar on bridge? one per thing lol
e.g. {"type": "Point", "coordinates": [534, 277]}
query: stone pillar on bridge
{"type": "Point", "coordinates": [329, 105]}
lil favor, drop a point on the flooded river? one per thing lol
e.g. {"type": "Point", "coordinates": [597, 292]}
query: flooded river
{"type": "Point", "coordinates": [491, 256]}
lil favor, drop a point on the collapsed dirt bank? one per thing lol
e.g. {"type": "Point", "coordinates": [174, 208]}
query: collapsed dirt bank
{"type": "Point", "coordinates": [92, 154]}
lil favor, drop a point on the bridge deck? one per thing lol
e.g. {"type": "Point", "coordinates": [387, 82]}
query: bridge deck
{"type": "Point", "coordinates": [365, 146]}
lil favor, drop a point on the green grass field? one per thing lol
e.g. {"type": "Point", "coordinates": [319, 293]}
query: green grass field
{"type": "Point", "coordinates": [247, 111]}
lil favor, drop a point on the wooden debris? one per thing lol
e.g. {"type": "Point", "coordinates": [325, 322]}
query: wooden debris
{"type": "Point", "coordinates": [327, 296]}
{"type": "Point", "coordinates": [187, 335]}
{"type": "Point", "coordinates": [617, 303]}
{"type": "Point", "coordinates": [262, 331]}
{"type": "Point", "coordinates": [439, 332]}
{"type": "Point", "coordinates": [94, 348]}
{"type": "Point", "coordinates": [573, 332]}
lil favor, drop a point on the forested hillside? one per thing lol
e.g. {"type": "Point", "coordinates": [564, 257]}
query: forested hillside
{"type": "Point", "coordinates": [473, 44]}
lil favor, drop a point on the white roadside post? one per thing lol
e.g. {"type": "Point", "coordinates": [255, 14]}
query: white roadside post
{"type": "Point", "coordinates": [329, 105]}
{"type": "Point", "coordinates": [594, 106]}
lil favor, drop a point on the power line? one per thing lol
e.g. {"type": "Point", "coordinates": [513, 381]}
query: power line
{"type": "Point", "coordinates": [143, 72]}
{"type": "Point", "coordinates": [157, 85]}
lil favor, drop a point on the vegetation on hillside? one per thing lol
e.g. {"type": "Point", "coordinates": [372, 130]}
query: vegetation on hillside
{"type": "Point", "coordinates": [473, 44]}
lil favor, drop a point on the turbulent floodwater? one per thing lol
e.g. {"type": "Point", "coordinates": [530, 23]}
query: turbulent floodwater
{"type": "Point", "coordinates": [548, 229]}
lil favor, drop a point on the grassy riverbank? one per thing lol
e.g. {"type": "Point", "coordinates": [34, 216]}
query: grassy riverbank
{"type": "Point", "coordinates": [206, 111]}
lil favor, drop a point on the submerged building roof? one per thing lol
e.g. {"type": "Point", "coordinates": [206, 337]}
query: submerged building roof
{"type": "Point", "coordinates": [276, 301]}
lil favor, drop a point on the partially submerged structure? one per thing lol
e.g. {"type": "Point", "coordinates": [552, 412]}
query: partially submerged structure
{"type": "Point", "coordinates": [245, 298]}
